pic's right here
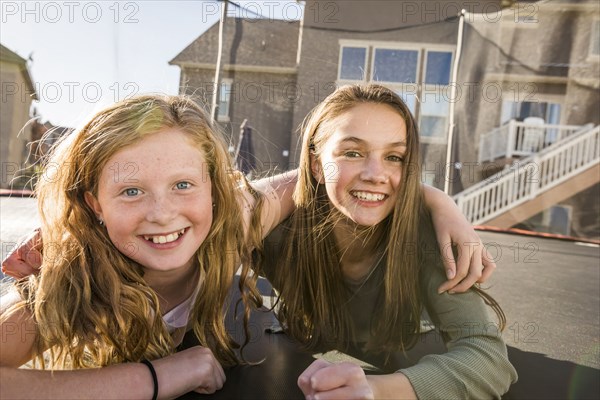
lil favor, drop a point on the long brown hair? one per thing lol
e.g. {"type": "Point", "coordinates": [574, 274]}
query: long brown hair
{"type": "Point", "coordinates": [312, 288]}
{"type": "Point", "coordinates": [90, 302]}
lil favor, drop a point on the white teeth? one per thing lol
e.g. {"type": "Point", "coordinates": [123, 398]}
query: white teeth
{"type": "Point", "coordinates": [171, 237]}
{"type": "Point", "coordinates": [368, 196]}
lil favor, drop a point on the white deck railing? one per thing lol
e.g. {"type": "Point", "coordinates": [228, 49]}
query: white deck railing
{"type": "Point", "coordinates": [531, 176]}
{"type": "Point", "coordinates": [522, 139]}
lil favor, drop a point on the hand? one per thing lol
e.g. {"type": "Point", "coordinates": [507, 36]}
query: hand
{"type": "Point", "coordinates": [194, 369]}
{"type": "Point", "coordinates": [323, 380]}
{"type": "Point", "coordinates": [26, 258]}
{"type": "Point", "coordinates": [474, 263]}
{"type": "Point", "coordinates": [212, 376]}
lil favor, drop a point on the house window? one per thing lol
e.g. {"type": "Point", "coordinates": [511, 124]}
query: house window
{"type": "Point", "coordinates": [410, 98]}
{"type": "Point", "coordinates": [438, 67]}
{"type": "Point", "coordinates": [434, 115]}
{"type": "Point", "coordinates": [549, 112]}
{"type": "Point", "coordinates": [395, 65]}
{"type": "Point", "coordinates": [419, 75]}
{"type": "Point", "coordinates": [224, 100]}
{"type": "Point", "coordinates": [352, 63]}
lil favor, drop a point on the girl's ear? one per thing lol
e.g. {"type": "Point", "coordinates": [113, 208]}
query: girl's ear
{"type": "Point", "coordinates": [316, 168]}
{"type": "Point", "coordinates": [94, 204]}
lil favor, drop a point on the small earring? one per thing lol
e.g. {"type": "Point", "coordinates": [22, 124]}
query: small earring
{"type": "Point", "coordinates": [214, 205]}
{"type": "Point", "coordinates": [100, 221]}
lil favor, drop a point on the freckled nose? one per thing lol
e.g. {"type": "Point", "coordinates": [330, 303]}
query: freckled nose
{"type": "Point", "coordinates": [162, 210]}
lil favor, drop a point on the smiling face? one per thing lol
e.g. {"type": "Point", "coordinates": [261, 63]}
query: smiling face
{"type": "Point", "coordinates": [361, 162]}
{"type": "Point", "coordinates": [155, 198]}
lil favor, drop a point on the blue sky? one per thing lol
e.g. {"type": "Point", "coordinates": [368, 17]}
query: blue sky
{"type": "Point", "coordinates": [89, 54]}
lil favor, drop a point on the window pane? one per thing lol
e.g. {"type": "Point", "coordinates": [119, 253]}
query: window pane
{"type": "Point", "coordinates": [438, 67]}
{"type": "Point", "coordinates": [553, 114]}
{"type": "Point", "coordinates": [434, 115]}
{"type": "Point", "coordinates": [410, 99]}
{"type": "Point", "coordinates": [509, 111]}
{"type": "Point", "coordinates": [224, 96]}
{"type": "Point", "coordinates": [395, 65]}
{"type": "Point", "coordinates": [553, 118]}
{"type": "Point", "coordinates": [353, 63]}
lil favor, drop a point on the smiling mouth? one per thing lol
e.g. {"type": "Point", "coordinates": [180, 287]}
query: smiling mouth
{"type": "Point", "coordinates": [161, 239]}
{"type": "Point", "coordinates": [366, 196]}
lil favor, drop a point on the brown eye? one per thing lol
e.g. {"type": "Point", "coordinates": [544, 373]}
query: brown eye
{"type": "Point", "coordinates": [396, 158]}
{"type": "Point", "coordinates": [352, 154]}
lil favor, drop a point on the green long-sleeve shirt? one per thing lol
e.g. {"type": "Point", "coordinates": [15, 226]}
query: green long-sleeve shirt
{"type": "Point", "coordinates": [476, 365]}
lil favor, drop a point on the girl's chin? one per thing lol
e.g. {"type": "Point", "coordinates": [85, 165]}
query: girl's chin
{"type": "Point", "coordinates": [363, 223]}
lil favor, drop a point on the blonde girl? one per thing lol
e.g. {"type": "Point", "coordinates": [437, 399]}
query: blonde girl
{"type": "Point", "coordinates": [141, 212]}
{"type": "Point", "coordinates": [357, 261]}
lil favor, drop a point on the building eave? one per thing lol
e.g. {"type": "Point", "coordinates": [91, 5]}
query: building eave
{"type": "Point", "coordinates": [238, 68]}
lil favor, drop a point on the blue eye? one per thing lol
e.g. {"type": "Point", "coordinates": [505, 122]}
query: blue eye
{"type": "Point", "coordinates": [183, 185]}
{"type": "Point", "coordinates": [130, 192]}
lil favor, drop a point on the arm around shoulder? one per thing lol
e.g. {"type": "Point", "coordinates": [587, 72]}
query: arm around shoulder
{"type": "Point", "coordinates": [278, 203]}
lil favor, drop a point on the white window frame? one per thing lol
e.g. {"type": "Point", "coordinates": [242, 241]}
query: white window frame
{"type": "Point", "coordinates": [224, 116]}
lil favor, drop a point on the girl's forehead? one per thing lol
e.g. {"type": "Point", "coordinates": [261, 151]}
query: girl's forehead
{"type": "Point", "coordinates": [170, 146]}
{"type": "Point", "coordinates": [369, 122]}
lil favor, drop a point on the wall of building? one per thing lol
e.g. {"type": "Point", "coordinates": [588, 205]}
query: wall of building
{"type": "Point", "coordinates": [326, 23]}
{"type": "Point", "coordinates": [14, 114]}
{"type": "Point", "coordinates": [266, 100]}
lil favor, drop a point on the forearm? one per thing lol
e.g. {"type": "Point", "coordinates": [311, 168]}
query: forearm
{"type": "Point", "coordinates": [476, 368]}
{"type": "Point", "coordinates": [122, 381]}
{"type": "Point", "coordinates": [476, 364]}
{"type": "Point", "coordinates": [279, 203]}
{"type": "Point", "coordinates": [125, 381]}
{"type": "Point", "coordinates": [435, 198]}
{"type": "Point", "coordinates": [392, 386]}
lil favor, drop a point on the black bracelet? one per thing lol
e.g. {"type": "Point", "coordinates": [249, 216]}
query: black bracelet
{"type": "Point", "coordinates": [154, 378]}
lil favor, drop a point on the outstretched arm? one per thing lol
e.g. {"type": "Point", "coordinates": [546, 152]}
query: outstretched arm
{"type": "Point", "coordinates": [194, 369]}
{"type": "Point", "coordinates": [279, 204]}
{"type": "Point", "coordinates": [474, 264]}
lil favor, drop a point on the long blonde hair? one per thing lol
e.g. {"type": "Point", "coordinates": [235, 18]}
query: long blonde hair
{"type": "Point", "coordinates": [90, 302]}
{"type": "Point", "coordinates": [312, 288]}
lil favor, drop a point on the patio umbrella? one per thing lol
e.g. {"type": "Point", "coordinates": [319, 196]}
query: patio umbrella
{"type": "Point", "coordinates": [245, 160]}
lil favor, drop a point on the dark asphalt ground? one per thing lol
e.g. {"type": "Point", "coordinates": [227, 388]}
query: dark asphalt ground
{"type": "Point", "coordinates": [548, 288]}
